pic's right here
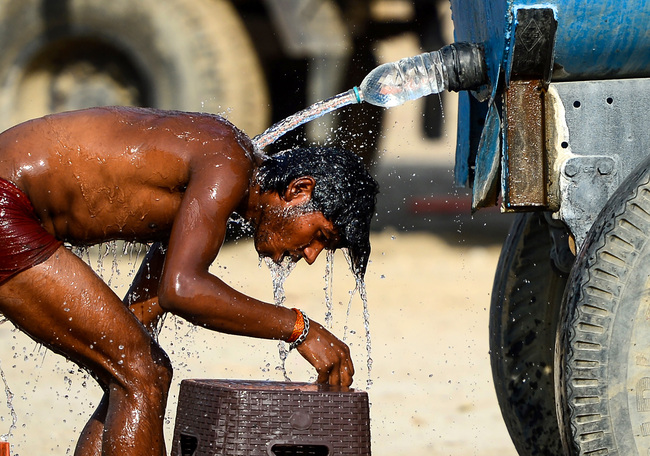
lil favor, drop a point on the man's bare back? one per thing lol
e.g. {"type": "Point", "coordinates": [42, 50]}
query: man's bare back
{"type": "Point", "coordinates": [107, 173]}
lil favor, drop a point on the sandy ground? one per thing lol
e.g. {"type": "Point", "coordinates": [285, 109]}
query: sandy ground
{"type": "Point", "coordinates": [431, 391]}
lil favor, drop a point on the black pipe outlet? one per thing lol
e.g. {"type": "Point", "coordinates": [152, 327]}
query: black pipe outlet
{"type": "Point", "coordinates": [465, 64]}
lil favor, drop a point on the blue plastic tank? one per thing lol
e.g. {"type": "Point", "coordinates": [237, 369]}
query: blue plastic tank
{"type": "Point", "coordinates": [596, 39]}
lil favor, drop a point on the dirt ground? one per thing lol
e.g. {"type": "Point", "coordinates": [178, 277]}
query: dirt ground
{"type": "Point", "coordinates": [431, 391]}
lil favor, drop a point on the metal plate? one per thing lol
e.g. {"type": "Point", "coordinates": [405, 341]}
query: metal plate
{"type": "Point", "coordinates": [599, 134]}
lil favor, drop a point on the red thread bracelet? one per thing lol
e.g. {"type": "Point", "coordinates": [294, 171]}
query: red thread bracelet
{"type": "Point", "coordinates": [298, 328]}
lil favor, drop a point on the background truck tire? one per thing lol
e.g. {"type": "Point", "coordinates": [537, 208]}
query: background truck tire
{"type": "Point", "coordinates": [524, 314]}
{"type": "Point", "coordinates": [192, 55]}
{"type": "Point", "coordinates": [603, 365]}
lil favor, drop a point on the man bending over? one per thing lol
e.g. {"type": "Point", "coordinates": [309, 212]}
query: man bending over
{"type": "Point", "coordinates": [172, 178]}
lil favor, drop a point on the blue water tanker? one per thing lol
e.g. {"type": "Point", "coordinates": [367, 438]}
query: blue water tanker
{"type": "Point", "coordinates": [594, 39]}
{"type": "Point", "coordinates": [559, 132]}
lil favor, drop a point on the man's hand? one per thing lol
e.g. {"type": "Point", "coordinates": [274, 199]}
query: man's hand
{"type": "Point", "coordinates": [328, 355]}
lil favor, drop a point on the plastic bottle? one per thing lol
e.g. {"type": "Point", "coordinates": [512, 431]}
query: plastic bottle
{"type": "Point", "coordinates": [392, 84]}
{"type": "Point", "coordinates": [458, 66]}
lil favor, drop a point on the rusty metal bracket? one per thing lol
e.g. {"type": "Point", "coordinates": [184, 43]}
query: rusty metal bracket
{"type": "Point", "coordinates": [524, 158]}
{"type": "Point", "coordinates": [524, 161]}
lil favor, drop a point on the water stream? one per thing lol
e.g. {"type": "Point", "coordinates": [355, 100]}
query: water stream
{"type": "Point", "coordinates": [329, 302]}
{"type": "Point", "coordinates": [361, 285]}
{"type": "Point", "coordinates": [10, 406]}
{"type": "Point", "coordinates": [361, 288]}
{"type": "Point", "coordinates": [318, 109]}
{"type": "Point", "coordinates": [279, 273]}
{"type": "Point", "coordinates": [388, 85]}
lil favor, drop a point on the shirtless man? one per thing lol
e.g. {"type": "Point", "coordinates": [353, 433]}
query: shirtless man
{"type": "Point", "coordinates": [174, 178]}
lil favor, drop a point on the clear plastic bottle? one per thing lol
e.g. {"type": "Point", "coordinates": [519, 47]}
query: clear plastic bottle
{"type": "Point", "coordinates": [457, 66]}
{"type": "Point", "coordinates": [392, 84]}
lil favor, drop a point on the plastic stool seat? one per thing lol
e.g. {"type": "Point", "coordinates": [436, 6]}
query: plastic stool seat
{"type": "Point", "coordinates": [258, 418]}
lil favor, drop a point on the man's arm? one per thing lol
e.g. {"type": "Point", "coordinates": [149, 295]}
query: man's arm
{"type": "Point", "coordinates": [142, 297]}
{"type": "Point", "coordinates": [190, 291]}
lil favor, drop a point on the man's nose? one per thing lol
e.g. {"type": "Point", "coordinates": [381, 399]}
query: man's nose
{"type": "Point", "coordinates": [311, 252]}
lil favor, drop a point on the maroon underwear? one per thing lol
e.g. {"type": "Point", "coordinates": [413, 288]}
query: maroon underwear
{"type": "Point", "coordinates": [23, 241]}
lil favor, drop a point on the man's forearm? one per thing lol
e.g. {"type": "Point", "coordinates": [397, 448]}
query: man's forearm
{"type": "Point", "coordinates": [207, 301]}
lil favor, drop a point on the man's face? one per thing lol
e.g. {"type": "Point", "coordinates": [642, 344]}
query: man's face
{"type": "Point", "coordinates": [295, 232]}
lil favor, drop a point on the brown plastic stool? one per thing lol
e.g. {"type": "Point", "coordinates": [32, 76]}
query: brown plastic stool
{"type": "Point", "coordinates": [255, 418]}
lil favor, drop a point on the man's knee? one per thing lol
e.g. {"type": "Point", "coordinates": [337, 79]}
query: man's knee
{"type": "Point", "coordinates": [150, 372]}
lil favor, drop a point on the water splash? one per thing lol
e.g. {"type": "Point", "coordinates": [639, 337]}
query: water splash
{"type": "Point", "coordinates": [115, 268]}
{"type": "Point", "coordinates": [238, 227]}
{"type": "Point", "coordinates": [83, 252]}
{"type": "Point", "coordinates": [10, 406]}
{"type": "Point", "coordinates": [318, 109]}
{"type": "Point", "coordinates": [102, 252]}
{"type": "Point", "coordinates": [96, 257]}
{"type": "Point", "coordinates": [279, 273]}
{"type": "Point", "coordinates": [134, 252]}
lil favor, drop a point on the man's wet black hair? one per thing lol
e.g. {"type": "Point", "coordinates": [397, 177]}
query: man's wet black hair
{"type": "Point", "coordinates": [345, 192]}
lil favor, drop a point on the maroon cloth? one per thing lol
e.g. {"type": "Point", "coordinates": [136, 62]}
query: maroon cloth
{"type": "Point", "coordinates": [23, 240]}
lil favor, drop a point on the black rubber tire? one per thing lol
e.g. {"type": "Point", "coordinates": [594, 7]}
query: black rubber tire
{"type": "Point", "coordinates": [603, 362]}
{"type": "Point", "coordinates": [524, 314]}
{"type": "Point", "coordinates": [192, 55]}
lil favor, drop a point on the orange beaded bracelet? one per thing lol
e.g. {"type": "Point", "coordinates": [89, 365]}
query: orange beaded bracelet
{"type": "Point", "coordinates": [300, 329]}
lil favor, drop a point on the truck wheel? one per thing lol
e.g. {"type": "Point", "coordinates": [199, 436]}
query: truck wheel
{"type": "Point", "coordinates": [604, 357]}
{"type": "Point", "coordinates": [192, 55]}
{"type": "Point", "coordinates": [524, 314]}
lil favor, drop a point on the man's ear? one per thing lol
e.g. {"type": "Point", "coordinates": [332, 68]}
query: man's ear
{"type": "Point", "coordinates": [299, 190]}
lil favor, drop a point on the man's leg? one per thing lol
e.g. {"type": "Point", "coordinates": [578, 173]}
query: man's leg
{"type": "Point", "coordinates": [66, 306]}
{"type": "Point", "coordinates": [142, 300]}
{"type": "Point", "coordinates": [90, 440]}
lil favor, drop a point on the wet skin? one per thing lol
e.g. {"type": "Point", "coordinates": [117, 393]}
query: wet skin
{"type": "Point", "coordinates": [143, 175]}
